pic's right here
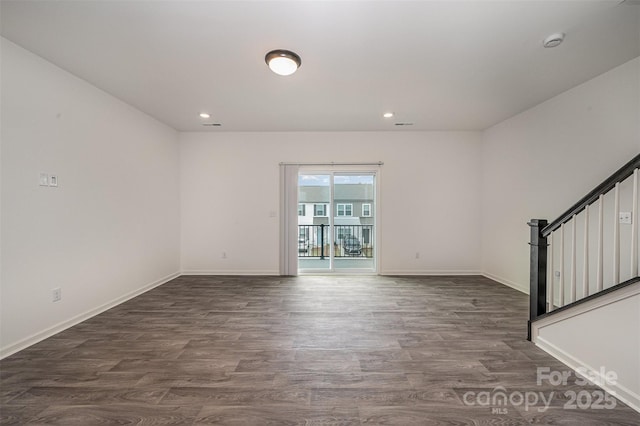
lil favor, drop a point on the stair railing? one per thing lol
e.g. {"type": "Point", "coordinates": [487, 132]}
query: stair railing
{"type": "Point", "coordinates": [581, 277]}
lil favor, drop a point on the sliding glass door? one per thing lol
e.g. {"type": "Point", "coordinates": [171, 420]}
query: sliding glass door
{"type": "Point", "coordinates": [336, 222]}
{"type": "Point", "coordinates": [353, 223]}
{"type": "Point", "coordinates": [314, 222]}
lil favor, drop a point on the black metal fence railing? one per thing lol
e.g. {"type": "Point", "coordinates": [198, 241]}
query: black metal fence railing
{"type": "Point", "coordinates": [348, 241]}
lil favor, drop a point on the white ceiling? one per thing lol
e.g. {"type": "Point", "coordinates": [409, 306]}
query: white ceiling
{"type": "Point", "coordinates": [461, 65]}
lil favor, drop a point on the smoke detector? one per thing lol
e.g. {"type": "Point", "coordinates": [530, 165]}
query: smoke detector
{"type": "Point", "coordinates": [553, 40]}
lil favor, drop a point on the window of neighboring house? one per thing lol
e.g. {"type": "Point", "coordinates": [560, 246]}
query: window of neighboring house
{"type": "Point", "coordinates": [345, 209]}
{"type": "Point", "coordinates": [319, 209]}
{"type": "Point", "coordinates": [366, 210]}
{"type": "Point", "coordinates": [302, 211]}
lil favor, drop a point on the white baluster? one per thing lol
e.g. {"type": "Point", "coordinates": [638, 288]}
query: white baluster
{"type": "Point", "coordinates": [634, 227]}
{"type": "Point", "coordinates": [599, 274]}
{"type": "Point", "coordinates": [551, 278]}
{"type": "Point", "coordinates": [561, 280]}
{"type": "Point", "coordinates": [616, 234]}
{"type": "Point", "coordinates": [572, 283]}
{"type": "Point", "coordinates": [585, 261]}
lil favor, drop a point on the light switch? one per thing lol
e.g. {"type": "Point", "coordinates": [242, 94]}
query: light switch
{"type": "Point", "coordinates": [625, 217]}
{"type": "Point", "coordinates": [53, 180]}
{"type": "Point", "coordinates": [44, 179]}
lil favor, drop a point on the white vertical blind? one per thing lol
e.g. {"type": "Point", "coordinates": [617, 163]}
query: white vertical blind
{"type": "Point", "coordinates": [288, 219]}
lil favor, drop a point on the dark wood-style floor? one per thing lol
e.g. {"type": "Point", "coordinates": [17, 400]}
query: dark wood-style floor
{"type": "Point", "coordinates": [305, 350]}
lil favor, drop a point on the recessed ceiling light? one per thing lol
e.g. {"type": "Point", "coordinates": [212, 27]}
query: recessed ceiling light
{"type": "Point", "coordinates": [204, 115]}
{"type": "Point", "coordinates": [283, 62]}
{"type": "Point", "coordinates": [553, 40]}
{"type": "Point", "coordinates": [387, 115]}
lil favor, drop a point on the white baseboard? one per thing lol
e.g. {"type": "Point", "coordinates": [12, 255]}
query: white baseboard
{"type": "Point", "coordinates": [623, 393]}
{"type": "Point", "coordinates": [271, 272]}
{"type": "Point", "coordinates": [506, 282]}
{"type": "Point", "coordinates": [37, 337]}
{"type": "Point", "coordinates": [443, 272]}
{"type": "Point", "coordinates": [267, 272]}
{"type": "Point", "coordinates": [229, 272]}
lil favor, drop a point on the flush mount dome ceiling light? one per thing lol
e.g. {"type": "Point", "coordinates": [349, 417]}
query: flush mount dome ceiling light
{"type": "Point", "coordinates": [283, 62]}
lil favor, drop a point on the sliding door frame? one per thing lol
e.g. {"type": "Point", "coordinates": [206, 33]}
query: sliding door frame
{"type": "Point", "coordinates": [354, 170]}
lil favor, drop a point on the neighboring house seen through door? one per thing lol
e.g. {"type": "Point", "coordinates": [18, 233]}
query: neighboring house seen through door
{"type": "Point", "coordinates": [336, 222]}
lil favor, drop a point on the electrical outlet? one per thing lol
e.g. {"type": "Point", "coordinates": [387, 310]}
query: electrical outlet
{"type": "Point", "coordinates": [224, 255]}
{"type": "Point", "coordinates": [625, 217]}
{"type": "Point", "coordinates": [56, 294]}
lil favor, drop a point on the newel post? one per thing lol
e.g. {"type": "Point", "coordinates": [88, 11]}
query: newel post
{"type": "Point", "coordinates": [537, 272]}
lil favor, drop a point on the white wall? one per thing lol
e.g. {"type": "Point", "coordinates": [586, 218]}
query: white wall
{"type": "Point", "coordinates": [429, 197]}
{"type": "Point", "coordinates": [538, 163]}
{"type": "Point", "coordinates": [612, 323]}
{"type": "Point", "coordinates": [110, 229]}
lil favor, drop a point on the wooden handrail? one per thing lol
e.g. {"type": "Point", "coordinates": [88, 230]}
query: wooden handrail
{"type": "Point", "coordinates": [623, 173]}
